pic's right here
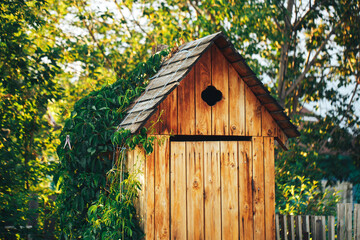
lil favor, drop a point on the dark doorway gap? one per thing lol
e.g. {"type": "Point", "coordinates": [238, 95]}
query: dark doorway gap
{"type": "Point", "coordinates": [195, 138]}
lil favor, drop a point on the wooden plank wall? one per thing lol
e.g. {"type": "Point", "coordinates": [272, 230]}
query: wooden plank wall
{"type": "Point", "coordinates": [238, 187]}
{"type": "Point", "coordinates": [136, 165]}
{"type": "Point", "coordinates": [212, 190]}
{"type": "Point", "coordinates": [209, 190]}
{"type": "Point", "coordinates": [239, 113]}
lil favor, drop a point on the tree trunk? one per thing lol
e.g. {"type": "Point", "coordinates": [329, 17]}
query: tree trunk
{"type": "Point", "coordinates": [284, 53]}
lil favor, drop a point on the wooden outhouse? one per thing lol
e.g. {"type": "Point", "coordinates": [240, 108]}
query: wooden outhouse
{"type": "Point", "coordinates": [212, 176]}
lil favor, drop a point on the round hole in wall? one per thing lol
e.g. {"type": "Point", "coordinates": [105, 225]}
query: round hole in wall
{"type": "Point", "coordinates": [211, 95]}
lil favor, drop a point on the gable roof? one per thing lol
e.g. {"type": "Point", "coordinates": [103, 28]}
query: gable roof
{"type": "Point", "coordinates": [179, 65]}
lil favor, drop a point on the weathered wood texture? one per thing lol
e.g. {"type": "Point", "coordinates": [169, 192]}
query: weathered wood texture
{"type": "Point", "coordinates": [238, 113]}
{"type": "Point", "coordinates": [209, 190]}
{"type": "Point", "coordinates": [357, 222]}
{"type": "Point", "coordinates": [136, 165]}
{"type": "Point", "coordinates": [229, 190]}
{"type": "Point", "coordinates": [269, 195]}
{"type": "Point", "coordinates": [194, 193]}
{"type": "Point", "coordinates": [253, 114]}
{"type": "Point", "coordinates": [236, 103]}
{"type": "Point", "coordinates": [162, 203]}
{"type": "Point", "coordinates": [211, 60]}
{"type": "Point", "coordinates": [202, 80]}
{"type": "Point", "coordinates": [320, 227]}
{"type": "Point", "coordinates": [185, 106]}
{"type": "Point", "coordinates": [150, 195]}
{"type": "Point", "coordinates": [220, 80]}
{"type": "Point", "coordinates": [168, 123]}
{"type": "Point", "coordinates": [245, 190]}
{"type": "Point", "coordinates": [178, 190]}
{"type": "Point", "coordinates": [212, 190]}
{"type": "Point", "coordinates": [258, 188]}
{"type": "Point", "coordinates": [154, 201]}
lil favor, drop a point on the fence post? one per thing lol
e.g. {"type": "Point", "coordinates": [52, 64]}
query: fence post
{"type": "Point", "coordinates": [341, 221]}
{"type": "Point", "coordinates": [357, 221]}
{"type": "Point", "coordinates": [277, 224]}
{"type": "Point", "coordinates": [313, 227]}
{"type": "Point", "coordinates": [318, 228]}
{"type": "Point", "coordinates": [298, 228]}
{"type": "Point", "coordinates": [348, 221]}
{"type": "Point", "coordinates": [291, 227]}
{"type": "Point", "coordinates": [323, 229]}
{"type": "Point", "coordinates": [331, 227]}
{"type": "Point", "coordinates": [284, 227]}
{"type": "Point", "coordinates": [306, 227]}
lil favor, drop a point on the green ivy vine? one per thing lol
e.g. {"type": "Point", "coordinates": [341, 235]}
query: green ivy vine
{"type": "Point", "coordinates": [96, 199]}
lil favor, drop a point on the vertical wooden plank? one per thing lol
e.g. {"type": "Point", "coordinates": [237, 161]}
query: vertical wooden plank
{"type": "Point", "coordinates": [152, 125]}
{"type": "Point", "coordinates": [195, 197]}
{"type": "Point", "coordinates": [139, 164]}
{"type": "Point", "coordinates": [331, 228]}
{"type": "Point", "coordinates": [237, 103]}
{"type": "Point", "coordinates": [306, 227]}
{"type": "Point", "coordinates": [150, 194]}
{"type": "Point", "coordinates": [341, 221]}
{"type": "Point", "coordinates": [323, 227]}
{"type": "Point", "coordinates": [348, 220]}
{"type": "Point", "coordinates": [168, 108]}
{"type": "Point", "coordinates": [298, 228]}
{"type": "Point", "coordinates": [319, 227]}
{"type": "Point", "coordinates": [212, 194]}
{"type": "Point", "coordinates": [133, 167]}
{"type": "Point", "coordinates": [282, 138]}
{"type": "Point", "coordinates": [245, 190]}
{"type": "Point", "coordinates": [258, 188]}
{"type": "Point", "coordinates": [162, 208]}
{"type": "Point", "coordinates": [269, 175]}
{"type": "Point", "coordinates": [178, 190]}
{"type": "Point", "coordinates": [186, 105]}
{"type": "Point", "coordinates": [284, 227]}
{"type": "Point", "coordinates": [268, 124]}
{"type": "Point", "coordinates": [277, 224]}
{"type": "Point", "coordinates": [291, 227]}
{"type": "Point", "coordinates": [220, 80]}
{"type": "Point", "coordinates": [253, 114]}
{"type": "Point", "coordinates": [202, 81]}
{"type": "Point", "coordinates": [313, 227]}
{"type": "Point", "coordinates": [357, 221]}
{"type": "Point", "coordinates": [229, 190]}
{"type": "Point", "coordinates": [130, 161]}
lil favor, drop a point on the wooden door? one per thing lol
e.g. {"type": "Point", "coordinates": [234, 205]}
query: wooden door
{"type": "Point", "coordinates": [210, 190]}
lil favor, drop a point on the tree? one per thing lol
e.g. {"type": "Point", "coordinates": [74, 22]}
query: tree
{"type": "Point", "coordinates": [27, 139]}
{"type": "Point", "coordinates": [303, 49]}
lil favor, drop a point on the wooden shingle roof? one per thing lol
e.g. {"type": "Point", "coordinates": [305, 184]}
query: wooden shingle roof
{"type": "Point", "coordinates": [180, 64]}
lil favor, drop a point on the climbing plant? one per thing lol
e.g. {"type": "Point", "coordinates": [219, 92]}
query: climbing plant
{"type": "Point", "coordinates": [89, 160]}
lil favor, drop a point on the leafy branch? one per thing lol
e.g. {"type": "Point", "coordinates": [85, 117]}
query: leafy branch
{"type": "Point", "coordinates": [90, 170]}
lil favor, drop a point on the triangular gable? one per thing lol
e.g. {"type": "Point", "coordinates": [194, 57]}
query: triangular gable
{"type": "Point", "coordinates": [174, 70]}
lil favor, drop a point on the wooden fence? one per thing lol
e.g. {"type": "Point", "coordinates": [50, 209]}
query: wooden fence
{"type": "Point", "coordinates": [345, 226]}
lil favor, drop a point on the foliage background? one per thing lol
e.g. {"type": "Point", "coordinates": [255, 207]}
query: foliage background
{"type": "Point", "coordinates": [54, 53]}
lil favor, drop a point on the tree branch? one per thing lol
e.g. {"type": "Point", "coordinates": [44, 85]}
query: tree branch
{"type": "Point", "coordinates": [122, 15]}
{"type": "Point", "coordinates": [278, 24]}
{"type": "Point", "coordinates": [308, 66]}
{"type": "Point", "coordinates": [343, 117]}
{"type": "Point", "coordinates": [141, 28]}
{"type": "Point", "coordinates": [212, 17]}
{"type": "Point", "coordinates": [195, 7]}
{"type": "Point", "coordinates": [94, 38]}
{"type": "Point", "coordinates": [298, 22]}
